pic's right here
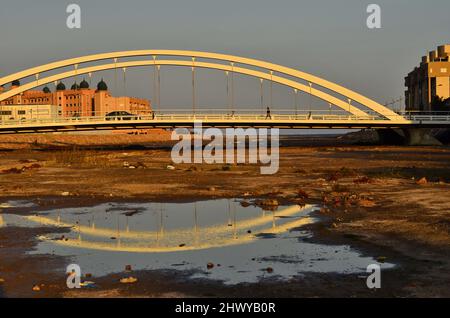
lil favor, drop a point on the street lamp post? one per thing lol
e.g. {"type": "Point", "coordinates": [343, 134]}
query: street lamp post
{"type": "Point", "coordinates": [349, 107]}
{"type": "Point", "coordinates": [310, 98]}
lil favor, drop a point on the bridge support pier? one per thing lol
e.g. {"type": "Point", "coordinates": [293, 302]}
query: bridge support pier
{"type": "Point", "coordinates": [408, 136]}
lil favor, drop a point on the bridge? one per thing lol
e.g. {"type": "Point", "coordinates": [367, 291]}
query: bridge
{"type": "Point", "coordinates": [350, 109]}
{"type": "Point", "coordinates": [179, 120]}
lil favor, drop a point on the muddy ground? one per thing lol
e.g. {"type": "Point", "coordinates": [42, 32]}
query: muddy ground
{"type": "Point", "coordinates": [391, 202]}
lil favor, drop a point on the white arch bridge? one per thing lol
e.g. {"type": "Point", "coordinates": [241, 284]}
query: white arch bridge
{"type": "Point", "coordinates": [355, 110]}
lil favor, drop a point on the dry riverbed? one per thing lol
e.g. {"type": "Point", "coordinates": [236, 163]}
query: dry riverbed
{"type": "Point", "coordinates": [389, 201]}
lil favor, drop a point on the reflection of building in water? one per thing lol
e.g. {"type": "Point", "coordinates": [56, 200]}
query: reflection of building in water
{"type": "Point", "coordinates": [80, 100]}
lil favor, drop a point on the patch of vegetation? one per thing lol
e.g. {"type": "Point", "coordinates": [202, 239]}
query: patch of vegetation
{"type": "Point", "coordinates": [81, 158]}
{"type": "Point", "coordinates": [431, 174]}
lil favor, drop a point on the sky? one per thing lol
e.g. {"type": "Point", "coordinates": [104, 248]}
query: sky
{"type": "Point", "coordinates": [327, 38]}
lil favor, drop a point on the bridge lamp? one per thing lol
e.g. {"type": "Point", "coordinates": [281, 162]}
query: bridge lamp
{"type": "Point", "coordinates": [349, 105]}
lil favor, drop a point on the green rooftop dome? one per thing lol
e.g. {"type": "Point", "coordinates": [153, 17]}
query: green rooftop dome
{"type": "Point", "coordinates": [46, 90]}
{"type": "Point", "coordinates": [84, 84]}
{"type": "Point", "coordinates": [60, 86]}
{"type": "Point", "coordinates": [75, 86]}
{"type": "Point", "coordinates": [101, 86]}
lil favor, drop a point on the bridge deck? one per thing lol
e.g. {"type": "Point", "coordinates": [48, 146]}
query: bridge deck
{"type": "Point", "coordinates": [222, 121]}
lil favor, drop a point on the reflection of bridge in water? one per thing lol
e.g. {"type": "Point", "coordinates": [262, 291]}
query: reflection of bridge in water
{"type": "Point", "coordinates": [345, 108]}
{"type": "Point", "coordinates": [117, 234]}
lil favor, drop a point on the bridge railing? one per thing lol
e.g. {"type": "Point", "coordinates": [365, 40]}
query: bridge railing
{"type": "Point", "coordinates": [255, 117]}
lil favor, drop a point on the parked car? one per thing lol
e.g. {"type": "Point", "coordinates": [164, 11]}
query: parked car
{"type": "Point", "coordinates": [121, 115]}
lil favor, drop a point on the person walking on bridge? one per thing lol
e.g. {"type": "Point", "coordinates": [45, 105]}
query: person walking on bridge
{"type": "Point", "coordinates": [268, 115]}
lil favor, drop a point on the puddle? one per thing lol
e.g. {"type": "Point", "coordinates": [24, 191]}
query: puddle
{"type": "Point", "coordinates": [16, 204]}
{"type": "Point", "coordinates": [241, 242]}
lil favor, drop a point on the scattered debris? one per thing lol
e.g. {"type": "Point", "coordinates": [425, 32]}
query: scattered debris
{"type": "Point", "coordinates": [212, 189]}
{"type": "Point", "coordinates": [245, 204]}
{"type": "Point", "coordinates": [2, 280]}
{"type": "Point", "coordinates": [170, 167]}
{"type": "Point", "coordinates": [210, 265]}
{"type": "Point", "coordinates": [36, 288]}
{"type": "Point", "coordinates": [65, 194]}
{"type": "Point", "coordinates": [128, 268]}
{"type": "Point", "coordinates": [422, 181]}
{"type": "Point", "coordinates": [269, 270]}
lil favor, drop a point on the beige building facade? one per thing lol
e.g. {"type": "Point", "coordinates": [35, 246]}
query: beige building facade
{"type": "Point", "coordinates": [429, 83]}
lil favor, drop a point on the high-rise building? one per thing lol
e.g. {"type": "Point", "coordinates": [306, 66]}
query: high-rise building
{"type": "Point", "coordinates": [428, 85]}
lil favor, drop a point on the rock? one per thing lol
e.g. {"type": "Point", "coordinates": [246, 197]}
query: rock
{"type": "Point", "coordinates": [2, 280]}
{"type": "Point", "coordinates": [249, 231]}
{"type": "Point", "coordinates": [170, 167]}
{"type": "Point", "coordinates": [269, 270]}
{"type": "Point", "coordinates": [422, 181]}
{"type": "Point", "coordinates": [366, 203]}
{"type": "Point", "coordinates": [381, 259]}
{"type": "Point", "coordinates": [65, 194]}
{"type": "Point", "coordinates": [362, 180]}
{"type": "Point", "coordinates": [269, 202]}
{"type": "Point", "coordinates": [209, 265]}
{"type": "Point", "coordinates": [128, 280]}
{"type": "Point", "coordinates": [36, 288]}
{"type": "Point", "coordinates": [226, 167]}
{"type": "Point", "coordinates": [126, 164]}
{"type": "Point", "coordinates": [128, 268]}
{"type": "Point", "coordinates": [212, 189]}
{"type": "Point", "coordinates": [302, 194]}
{"type": "Point", "coordinates": [245, 204]}
{"type": "Point", "coordinates": [334, 225]}
{"type": "Point", "coordinates": [182, 245]}
{"type": "Point", "coordinates": [132, 167]}
{"type": "Point", "coordinates": [141, 165]}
